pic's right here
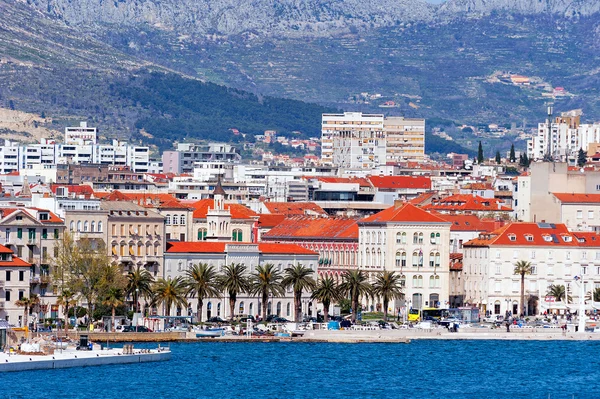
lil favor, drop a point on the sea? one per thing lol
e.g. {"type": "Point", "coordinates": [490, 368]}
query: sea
{"type": "Point", "coordinates": [432, 369]}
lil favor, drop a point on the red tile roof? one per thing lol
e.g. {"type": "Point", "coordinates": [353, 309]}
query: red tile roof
{"type": "Point", "coordinates": [401, 182]}
{"type": "Point", "coordinates": [587, 239]}
{"type": "Point", "coordinates": [527, 234]}
{"type": "Point", "coordinates": [5, 250]}
{"type": "Point", "coordinates": [361, 181]}
{"type": "Point", "coordinates": [268, 220]}
{"type": "Point", "coordinates": [82, 189]}
{"type": "Point", "coordinates": [237, 211]}
{"type": "Point", "coordinates": [294, 208]}
{"type": "Point", "coordinates": [467, 202]}
{"type": "Point", "coordinates": [173, 204]}
{"type": "Point", "coordinates": [405, 213]}
{"type": "Point", "coordinates": [462, 222]}
{"type": "Point", "coordinates": [52, 217]}
{"type": "Point", "coordinates": [15, 262]}
{"type": "Point", "coordinates": [308, 228]}
{"type": "Point", "coordinates": [571, 198]}
{"type": "Point", "coordinates": [422, 198]}
{"type": "Point", "coordinates": [219, 247]}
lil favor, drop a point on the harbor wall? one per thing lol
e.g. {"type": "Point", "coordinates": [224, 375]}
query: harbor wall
{"type": "Point", "coordinates": [136, 337]}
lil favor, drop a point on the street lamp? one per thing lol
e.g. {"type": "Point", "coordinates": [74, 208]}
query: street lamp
{"type": "Point", "coordinates": [136, 307]}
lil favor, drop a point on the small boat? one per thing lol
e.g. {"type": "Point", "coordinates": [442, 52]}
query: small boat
{"type": "Point", "coordinates": [211, 332]}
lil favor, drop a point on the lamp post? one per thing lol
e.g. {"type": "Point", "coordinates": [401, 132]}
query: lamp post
{"type": "Point", "coordinates": [581, 313]}
{"type": "Point", "coordinates": [137, 310]}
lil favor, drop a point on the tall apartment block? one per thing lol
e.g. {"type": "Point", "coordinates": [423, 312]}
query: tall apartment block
{"type": "Point", "coordinates": [357, 140]}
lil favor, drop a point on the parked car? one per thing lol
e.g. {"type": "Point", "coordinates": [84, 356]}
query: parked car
{"type": "Point", "coordinates": [179, 328]}
{"type": "Point", "coordinates": [136, 329]}
{"type": "Point", "coordinates": [495, 318]}
{"type": "Point", "coordinates": [448, 320]}
{"type": "Point", "coordinates": [216, 320]}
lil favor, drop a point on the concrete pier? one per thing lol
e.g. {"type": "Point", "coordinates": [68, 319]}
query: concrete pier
{"type": "Point", "coordinates": [75, 358]}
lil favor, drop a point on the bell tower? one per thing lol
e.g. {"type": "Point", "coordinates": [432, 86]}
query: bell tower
{"type": "Point", "coordinates": [218, 218]}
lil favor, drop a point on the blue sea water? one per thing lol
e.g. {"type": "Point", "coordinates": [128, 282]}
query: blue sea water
{"type": "Point", "coordinates": [421, 369]}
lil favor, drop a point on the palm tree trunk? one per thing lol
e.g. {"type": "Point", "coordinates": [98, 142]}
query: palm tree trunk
{"type": "Point", "coordinates": [66, 321]}
{"type": "Point", "coordinates": [354, 307]}
{"type": "Point", "coordinates": [199, 310]}
{"type": "Point", "coordinates": [326, 311]}
{"type": "Point", "coordinates": [25, 312]}
{"type": "Point", "coordinates": [89, 314]}
{"type": "Point", "coordinates": [265, 298]}
{"type": "Point", "coordinates": [113, 319]}
{"type": "Point", "coordinates": [298, 304]}
{"type": "Point", "coordinates": [231, 306]}
{"type": "Point", "coordinates": [522, 293]}
{"type": "Point", "coordinates": [385, 308]}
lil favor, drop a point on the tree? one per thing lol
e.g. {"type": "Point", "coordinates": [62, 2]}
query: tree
{"type": "Point", "coordinates": [523, 268]}
{"type": "Point", "coordinates": [355, 284]}
{"type": "Point", "coordinates": [266, 281]}
{"type": "Point", "coordinates": [326, 292]}
{"type": "Point", "coordinates": [388, 287]}
{"type": "Point", "coordinates": [299, 278]}
{"type": "Point", "coordinates": [524, 160]}
{"type": "Point", "coordinates": [558, 291]}
{"type": "Point", "coordinates": [594, 295]}
{"type": "Point", "coordinates": [66, 299]}
{"type": "Point", "coordinates": [480, 154]}
{"type": "Point", "coordinates": [581, 158]}
{"type": "Point", "coordinates": [169, 292]}
{"type": "Point", "coordinates": [139, 282]}
{"type": "Point", "coordinates": [27, 304]}
{"type": "Point", "coordinates": [498, 158]}
{"type": "Point", "coordinates": [233, 279]}
{"type": "Point", "coordinates": [512, 157]}
{"type": "Point", "coordinates": [114, 298]}
{"type": "Point", "coordinates": [201, 281]}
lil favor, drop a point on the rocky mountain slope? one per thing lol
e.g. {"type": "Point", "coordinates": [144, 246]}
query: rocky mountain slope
{"type": "Point", "coordinates": [290, 18]}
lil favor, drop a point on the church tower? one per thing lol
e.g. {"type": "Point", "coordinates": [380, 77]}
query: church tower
{"type": "Point", "coordinates": [218, 218]}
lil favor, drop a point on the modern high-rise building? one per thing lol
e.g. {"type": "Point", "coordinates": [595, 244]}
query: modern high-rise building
{"type": "Point", "coordinates": [357, 140]}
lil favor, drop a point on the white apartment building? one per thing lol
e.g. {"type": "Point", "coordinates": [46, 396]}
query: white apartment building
{"type": "Point", "coordinates": [82, 134]}
{"type": "Point", "coordinates": [563, 138]}
{"type": "Point", "coordinates": [413, 243]}
{"type": "Point", "coordinates": [556, 255]}
{"type": "Point", "coordinates": [366, 141]}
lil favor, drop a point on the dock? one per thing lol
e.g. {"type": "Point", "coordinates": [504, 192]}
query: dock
{"type": "Point", "coordinates": [74, 358]}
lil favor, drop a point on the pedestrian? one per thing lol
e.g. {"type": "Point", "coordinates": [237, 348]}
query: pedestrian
{"type": "Point", "coordinates": [508, 325]}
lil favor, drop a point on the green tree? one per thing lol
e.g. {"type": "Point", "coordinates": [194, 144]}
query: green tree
{"type": "Point", "coordinates": [266, 281]}
{"type": "Point", "coordinates": [558, 291]}
{"type": "Point", "coordinates": [498, 158]}
{"type": "Point", "coordinates": [480, 154]}
{"type": "Point", "coordinates": [27, 304]}
{"type": "Point", "coordinates": [300, 279]}
{"type": "Point", "coordinates": [234, 280]}
{"type": "Point", "coordinates": [354, 285]}
{"type": "Point", "coordinates": [524, 160]}
{"type": "Point", "coordinates": [581, 158]}
{"type": "Point", "coordinates": [594, 295]}
{"type": "Point", "coordinates": [387, 286]}
{"type": "Point", "coordinates": [169, 292]}
{"type": "Point", "coordinates": [326, 292]}
{"type": "Point", "coordinates": [523, 268]}
{"type": "Point", "coordinates": [113, 298]}
{"type": "Point", "coordinates": [139, 282]}
{"type": "Point", "coordinates": [66, 299]}
{"type": "Point", "coordinates": [202, 282]}
{"type": "Point", "coordinates": [512, 157]}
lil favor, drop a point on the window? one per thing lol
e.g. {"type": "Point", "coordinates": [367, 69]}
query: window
{"type": "Point", "coordinates": [533, 269]}
{"type": "Point", "coordinates": [579, 214]}
{"type": "Point", "coordinates": [182, 219]}
{"type": "Point", "coordinates": [437, 259]}
{"type": "Point", "coordinates": [237, 235]}
{"type": "Point", "coordinates": [584, 270]}
{"type": "Point", "coordinates": [8, 273]}
{"type": "Point", "coordinates": [512, 237]}
{"type": "Point", "coordinates": [590, 214]}
{"type": "Point", "coordinates": [498, 269]}
{"type": "Point", "coordinates": [78, 225]}
{"type": "Point", "coordinates": [420, 238]}
{"type": "Point", "coordinates": [432, 238]}
{"type": "Point", "coordinates": [431, 259]}
{"type": "Point", "coordinates": [398, 238]}
{"type": "Point", "coordinates": [21, 295]}
{"type": "Point", "coordinates": [93, 226]}
{"type": "Point", "coordinates": [21, 275]}
{"type": "Point", "coordinates": [416, 238]}
{"type": "Point", "coordinates": [202, 234]}
{"type": "Point", "coordinates": [515, 254]}
{"type": "Point", "coordinates": [438, 238]}
{"type": "Point", "coordinates": [415, 281]}
{"type": "Point", "coordinates": [86, 226]}
{"type": "Point", "coordinates": [44, 234]}
{"type": "Point", "coordinates": [19, 233]}
{"type": "Point", "coordinates": [168, 219]}
{"type": "Point", "coordinates": [7, 296]}
{"type": "Point", "coordinates": [532, 255]}
{"type": "Point", "coordinates": [403, 259]}
{"type": "Point", "coordinates": [415, 259]}
{"type": "Point", "coordinates": [497, 286]}
{"type": "Point", "coordinates": [497, 254]}
{"type": "Point", "coordinates": [550, 269]}
{"type": "Point", "coordinates": [420, 281]}
{"type": "Point", "coordinates": [584, 255]}
{"type": "Point", "coordinates": [398, 259]}
{"type": "Point", "coordinates": [431, 282]}
{"type": "Point", "coordinates": [568, 255]}
{"type": "Point", "coordinates": [528, 237]}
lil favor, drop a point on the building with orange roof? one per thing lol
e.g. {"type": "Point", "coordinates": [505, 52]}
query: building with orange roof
{"type": "Point", "coordinates": [414, 243]}
{"type": "Point", "coordinates": [335, 239]}
{"type": "Point", "coordinates": [390, 188]}
{"type": "Point", "coordinates": [266, 222]}
{"type": "Point", "coordinates": [467, 227]}
{"type": "Point", "coordinates": [456, 287]}
{"type": "Point", "coordinates": [15, 280]}
{"type": "Point", "coordinates": [294, 208]}
{"type": "Point", "coordinates": [181, 256]}
{"type": "Point", "coordinates": [556, 255]}
{"type": "Point", "coordinates": [469, 204]}
{"type": "Point", "coordinates": [579, 212]}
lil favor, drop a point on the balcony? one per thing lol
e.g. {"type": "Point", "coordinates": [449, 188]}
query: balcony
{"type": "Point", "coordinates": [31, 241]}
{"type": "Point", "coordinates": [35, 280]}
{"type": "Point", "coordinates": [45, 279]}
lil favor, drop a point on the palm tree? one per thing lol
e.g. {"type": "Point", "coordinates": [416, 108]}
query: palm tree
{"type": "Point", "coordinates": [169, 292]}
{"type": "Point", "coordinates": [326, 292]}
{"type": "Point", "coordinates": [139, 282]}
{"type": "Point", "coordinates": [558, 291]}
{"type": "Point", "coordinates": [27, 304]}
{"type": "Point", "coordinates": [594, 295]}
{"type": "Point", "coordinates": [388, 286]}
{"type": "Point", "coordinates": [266, 281]}
{"type": "Point", "coordinates": [114, 299]}
{"type": "Point", "coordinates": [299, 279]}
{"type": "Point", "coordinates": [523, 268]}
{"type": "Point", "coordinates": [66, 299]}
{"type": "Point", "coordinates": [234, 280]}
{"type": "Point", "coordinates": [201, 281]}
{"type": "Point", "coordinates": [355, 284]}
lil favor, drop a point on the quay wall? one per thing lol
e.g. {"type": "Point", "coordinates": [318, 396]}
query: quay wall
{"type": "Point", "coordinates": [136, 337]}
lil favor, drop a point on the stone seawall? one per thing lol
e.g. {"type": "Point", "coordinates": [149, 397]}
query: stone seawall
{"type": "Point", "coordinates": [136, 337]}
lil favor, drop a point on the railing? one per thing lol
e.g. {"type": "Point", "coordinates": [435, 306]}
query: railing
{"type": "Point", "coordinates": [31, 241]}
{"type": "Point", "coordinates": [45, 279]}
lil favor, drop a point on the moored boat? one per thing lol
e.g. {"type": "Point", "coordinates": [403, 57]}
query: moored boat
{"type": "Point", "coordinates": [211, 332]}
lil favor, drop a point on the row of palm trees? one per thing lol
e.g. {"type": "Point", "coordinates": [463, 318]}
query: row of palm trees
{"type": "Point", "coordinates": [203, 281]}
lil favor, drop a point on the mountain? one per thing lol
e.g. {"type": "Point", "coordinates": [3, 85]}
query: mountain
{"type": "Point", "coordinates": [453, 61]}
